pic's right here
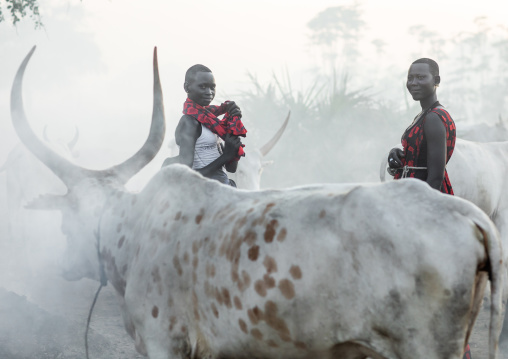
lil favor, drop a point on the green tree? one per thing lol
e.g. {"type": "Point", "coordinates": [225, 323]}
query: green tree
{"type": "Point", "coordinates": [18, 9]}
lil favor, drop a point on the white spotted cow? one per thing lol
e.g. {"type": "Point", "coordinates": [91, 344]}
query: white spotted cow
{"type": "Point", "coordinates": [203, 270]}
{"type": "Point", "coordinates": [478, 172]}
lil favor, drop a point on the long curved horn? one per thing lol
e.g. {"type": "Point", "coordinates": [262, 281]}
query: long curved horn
{"type": "Point", "coordinates": [65, 170]}
{"type": "Point", "coordinates": [74, 140]}
{"type": "Point", "coordinates": [45, 134]}
{"type": "Point", "coordinates": [153, 143]}
{"type": "Point", "coordinates": [269, 145]}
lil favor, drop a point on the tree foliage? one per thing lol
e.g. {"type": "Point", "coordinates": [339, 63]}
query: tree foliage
{"type": "Point", "coordinates": [19, 9]}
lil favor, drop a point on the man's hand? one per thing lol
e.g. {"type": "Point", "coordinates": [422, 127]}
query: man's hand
{"type": "Point", "coordinates": [231, 145]}
{"type": "Point", "coordinates": [233, 109]}
{"type": "Point", "coordinates": [394, 158]}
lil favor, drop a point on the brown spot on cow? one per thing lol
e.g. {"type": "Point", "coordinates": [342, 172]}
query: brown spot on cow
{"type": "Point", "coordinates": [245, 279]}
{"type": "Point", "coordinates": [177, 265]}
{"type": "Point", "coordinates": [250, 210]}
{"type": "Point", "coordinates": [260, 288]}
{"type": "Point", "coordinates": [120, 242]}
{"type": "Point", "coordinates": [226, 297]}
{"type": "Point", "coordinates": [195, 305]}
{"type": "Point", "coordinates": [295, 272]}
{"type": "Point", "coordinates": [184, 329]}
{"type": "Point", "coordinates": [194, 277]}
{"type": "Point", "coordinates": [215, 310]}
{"type": "Point", "coordinates": [243, 326]}
{"type": "Point", "coordinates": [238, 303]}
{"type": "Point", "coordinates": [199, 217]}
{"type": "Point", "coordinates": [185, 219]}
{"type": "Point", "coordinates": [322, 214]}
{"type": "Point", "coordinates": [218, 296]}
{"type": "Point", "coordinates": [270, 264]}
{"type": "Point", "coordinates": [250, 237]}
{"type": "Point", "coordinates": [172, 322]}
{"type": "Point", "coordinates": [278, 324]}
{"type": "Point", "coordinates": [254, 319]}
{"type": "Point", "coordinates": [195, 262]}
{"type": "Point", "coordinates": [270, 230]}
{"type": "Point", "coordinates": [119, 227]}
{"type": "Point", "coordinates": [155, 311]}
{"type": "Point", "coordinates": [253, 253]}
{"type": "Point", "coordinates": [267, 208]}
{"type": "Point", "coordinates": [212, 270]}
{"type": "Point", "coordinates": [178, 216]}
{"type": "Point", "coordinates": [282, 235]}
{"type": "Point", "coordinates": [186, 258]}
{"type": "Point", "coordinates": [269, 281]}
{"type": "Point", "coordinates": [300, 345]}
{"type": "Point", "coordinates": [271, 343]}
{"type": "Point", "coordinates": [256, 334]}
{"type": "Point", "coordinates": [195, 247]}
{"type": "Point", "coordinates": [287, 288]}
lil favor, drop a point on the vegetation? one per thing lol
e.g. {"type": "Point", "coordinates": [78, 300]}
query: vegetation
{"type": "Point", "coordinates": [18, 9]}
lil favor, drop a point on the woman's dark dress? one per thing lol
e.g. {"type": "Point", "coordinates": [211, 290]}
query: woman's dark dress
{"type": "Point", "coordinates": [415, 147]}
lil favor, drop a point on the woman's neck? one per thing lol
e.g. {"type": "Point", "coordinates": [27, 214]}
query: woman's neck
{"type": "Point", "coordinates": [429, 101]}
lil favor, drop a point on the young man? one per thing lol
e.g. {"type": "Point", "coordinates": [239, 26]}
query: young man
{"type": "Point", "coordinates": [199, 128]}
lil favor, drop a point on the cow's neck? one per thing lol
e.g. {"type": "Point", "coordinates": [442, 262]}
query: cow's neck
{"type": "Point", "coordinates": [115, 237]}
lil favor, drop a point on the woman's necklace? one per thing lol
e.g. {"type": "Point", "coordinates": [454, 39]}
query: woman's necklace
{"type": "Point", "coordinates": [423, 113]}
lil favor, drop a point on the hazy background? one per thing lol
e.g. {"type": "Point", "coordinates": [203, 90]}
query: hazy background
{"type": "Point", "coordinates": [339, 66]}
{"type": "Point", "coordinates": [92, 69]}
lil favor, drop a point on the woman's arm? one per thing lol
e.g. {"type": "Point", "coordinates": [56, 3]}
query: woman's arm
{"type": "Point", "coordinates": [186, 135]}
{"type": "Point", "coordinates": [435, 133]}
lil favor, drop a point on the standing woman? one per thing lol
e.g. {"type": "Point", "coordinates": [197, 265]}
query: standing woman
{"type": "Point", "coordinates": [429, 141]}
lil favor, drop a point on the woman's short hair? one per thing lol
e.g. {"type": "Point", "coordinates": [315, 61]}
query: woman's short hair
{"type": "Point", "coordinates": [433, 66]}
{"type": "Point", "coordinates": [193, 70]}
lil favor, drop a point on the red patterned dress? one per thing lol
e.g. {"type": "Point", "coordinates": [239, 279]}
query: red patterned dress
{"type": "Point", "coordinates": [415, 147]}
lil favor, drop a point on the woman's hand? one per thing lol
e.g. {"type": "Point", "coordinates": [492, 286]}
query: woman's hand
{"type": "Point", "coordinates": [394, 158]}
{"type": "Point", "coordinates": [231, 145]}
{"type": "Point", "coordinates": [233, 109]}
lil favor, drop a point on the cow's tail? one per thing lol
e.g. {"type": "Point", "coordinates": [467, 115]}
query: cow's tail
{"type": "Point", "coordinates": [494, 267]}
{"type": "Point", "coordinates": [382, 168]}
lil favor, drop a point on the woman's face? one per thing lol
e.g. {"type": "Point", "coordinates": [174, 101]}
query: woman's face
{"type": "Point", "coordinates": [202, 89]}
{"type": "Point", "coordinates": [420, 82]}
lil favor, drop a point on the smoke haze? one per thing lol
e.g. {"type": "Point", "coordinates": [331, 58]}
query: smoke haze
{"type": "Point", "coordinates": [92, 70]}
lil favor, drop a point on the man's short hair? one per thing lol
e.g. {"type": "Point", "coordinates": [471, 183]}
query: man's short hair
{"type": "Point", "coordinates": [433, 66]}
{"type": "Point", "coordinates": [193, 70]}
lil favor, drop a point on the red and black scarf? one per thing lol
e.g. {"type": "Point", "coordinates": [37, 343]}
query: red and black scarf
{"type": "Point", "coordinates": [207, 116]}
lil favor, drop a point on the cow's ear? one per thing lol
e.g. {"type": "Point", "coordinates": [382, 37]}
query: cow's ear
{"type": "Point", "coordinates": [47, 202]}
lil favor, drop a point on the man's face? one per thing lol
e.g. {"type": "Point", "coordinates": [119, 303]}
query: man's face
{"type": "Point", "coordinates": [202, 88]}
{"type": "Point", "coordinates": [420, 82]}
